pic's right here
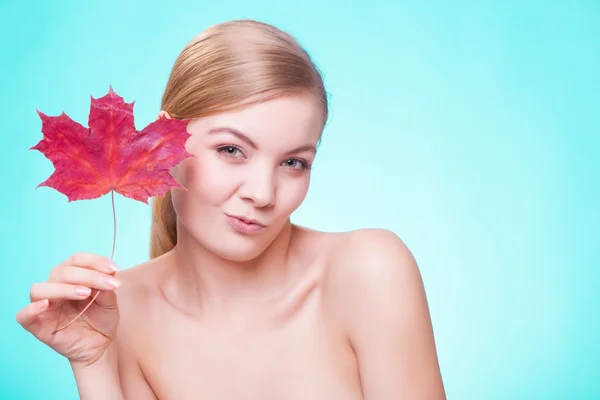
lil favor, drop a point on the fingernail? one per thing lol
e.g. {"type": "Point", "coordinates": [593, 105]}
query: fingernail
{"type": "Point", "coordinates": [83, 291]}
{"type": "Point", "coordinates": [113, 267]}
{"type": "Point", "coordinates": [112, 282]}
{"type": "Point", "coordinates": [44, 304]}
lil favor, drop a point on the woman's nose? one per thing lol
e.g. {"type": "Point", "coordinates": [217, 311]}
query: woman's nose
{"type": "Point", "coordinates": [260, 188]}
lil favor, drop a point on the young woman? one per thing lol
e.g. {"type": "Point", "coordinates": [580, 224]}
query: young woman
{"type": "Point", "coordinates": [237, 302]}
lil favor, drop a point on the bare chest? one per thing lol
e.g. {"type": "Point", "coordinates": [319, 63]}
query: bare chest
{"type": "Point", "coordinates": [299, 357]}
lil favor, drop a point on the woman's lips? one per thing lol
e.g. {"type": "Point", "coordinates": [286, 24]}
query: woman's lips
{"type": "Point", "coordinates": [242, 226]}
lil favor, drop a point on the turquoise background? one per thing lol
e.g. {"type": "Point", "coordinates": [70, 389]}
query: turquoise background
{"type": "Point", "coordinates": [469, 128]}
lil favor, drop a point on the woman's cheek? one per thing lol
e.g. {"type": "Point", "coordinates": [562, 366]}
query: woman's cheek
{"type": "Point", "coordinates": [215, 179]}
{"type": "Point", "coordinates": [293, 194]}
{"type": "Point", "coordinates": [197, 172]}
{"type": "Point", "coordinates": [186, 172]}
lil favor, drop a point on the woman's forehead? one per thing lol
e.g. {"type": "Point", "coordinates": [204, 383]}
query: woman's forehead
{"type": "Point", "coordinates": [290, 118]}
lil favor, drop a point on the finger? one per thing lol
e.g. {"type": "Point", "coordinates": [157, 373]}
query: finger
{"type": "Point", "coordinates": [27, 315]}
{"type": "Point", "coordinates": [164, 114]}
{"type": "Point", "coordinates": [107, 299]}
{"type": "Point", "coordinates": [54, 291]}
{"type": "Point", "coordinates": [91, 261]}
{"type": "Point", "coordinates": [84, 277]}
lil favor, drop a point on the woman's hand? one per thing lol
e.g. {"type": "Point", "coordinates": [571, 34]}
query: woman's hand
{"type": "Point", "coordinates": [61, 298]}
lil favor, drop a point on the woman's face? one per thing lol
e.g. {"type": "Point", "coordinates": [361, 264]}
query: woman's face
{"type": "Point", "coordinates": [250, 164]}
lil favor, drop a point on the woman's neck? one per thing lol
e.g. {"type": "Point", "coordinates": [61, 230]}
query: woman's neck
{"type": "Point", "coordinates": [201, 282]}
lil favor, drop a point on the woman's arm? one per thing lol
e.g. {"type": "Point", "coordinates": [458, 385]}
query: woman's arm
{"type": "Point", "coordinates": [380, 295]}
{"type": "Point", "coordinates": [133, 382]}
{"type": "Point", "coordinates": [116, 376]}
{"type": "Point", "coordinates": [99, 380]}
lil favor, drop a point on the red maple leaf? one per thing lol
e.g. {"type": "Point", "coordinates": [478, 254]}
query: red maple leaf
{"type": "Point", "coordinates": [111, 154]}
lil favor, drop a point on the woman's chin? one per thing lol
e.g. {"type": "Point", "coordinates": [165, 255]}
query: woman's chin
{"type": "Point", "coordinates": [240, 249]}
{"type": "Point", "coordinates": [239, 255]}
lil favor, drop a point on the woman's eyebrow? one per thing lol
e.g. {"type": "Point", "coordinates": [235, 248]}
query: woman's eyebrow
{"type": "Point", "coordinates": [235, 132]}
{"type": "Point", "coordinates": [307, 147]}
{"type": "Point", "coordinates": [244, 138]}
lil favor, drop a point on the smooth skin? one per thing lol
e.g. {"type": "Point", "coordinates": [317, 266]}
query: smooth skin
{"type": "Point", "coordinates": [286, 312]}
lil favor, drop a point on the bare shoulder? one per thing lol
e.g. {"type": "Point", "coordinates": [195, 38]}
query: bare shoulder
{"type": "Point", "coordinates": [371, 257]}
{"type": "Point", "coordinates": [137, 284]}
{"type": "Point", "coordinates": [373, 287]}
{"type": "Point", "coordinates": [136, 296]}
{"type": "Point", "coordinates": [362, 266]}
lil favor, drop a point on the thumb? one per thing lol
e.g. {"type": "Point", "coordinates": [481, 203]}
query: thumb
{"type": "Point", "coordinates": [107, 299]}
{"type": "Point", "coordinates": [27, 316]}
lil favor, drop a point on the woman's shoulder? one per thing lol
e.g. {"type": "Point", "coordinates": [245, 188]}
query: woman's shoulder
{"type": "Point", "coordinates": [364, 249]}
{"type": "Point", "coordinates": [360, 250]}
{"type": "Point", "coordinates": [375, 252]}
{"type": "Point", "coordinates": [139, 285]}
{"type": "Point", "coordinates": [359, 257]}
{"type": "Point", "coordinates": [366, 266]}
{"type": "Point", "coordinates": [374, 291]}
{"type": "Point", "coordinates": [140, 276]}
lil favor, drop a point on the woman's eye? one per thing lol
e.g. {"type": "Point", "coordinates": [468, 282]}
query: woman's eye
{"type": "Point", "coordinates": [235, 152]}
{"type": "Point", "coordinates": [296, 163]}
{"type": "Point", "coordinates": [231, 151]}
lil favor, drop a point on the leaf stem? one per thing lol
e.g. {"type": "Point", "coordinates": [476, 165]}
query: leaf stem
{"type": "Point", "coordinates": [112, 195]}
{"type": "Point", "coordinates": [112, 254]}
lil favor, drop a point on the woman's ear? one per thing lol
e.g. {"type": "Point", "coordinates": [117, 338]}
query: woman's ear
{"type": "Point", "coordinates": [164, 114]}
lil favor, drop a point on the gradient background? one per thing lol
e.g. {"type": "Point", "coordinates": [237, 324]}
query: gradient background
{"type": "Point", "coordinates": [469, 128]}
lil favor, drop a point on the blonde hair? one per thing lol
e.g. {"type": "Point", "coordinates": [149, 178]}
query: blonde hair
{"type": "Point", "coordinates": [228, 66]}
